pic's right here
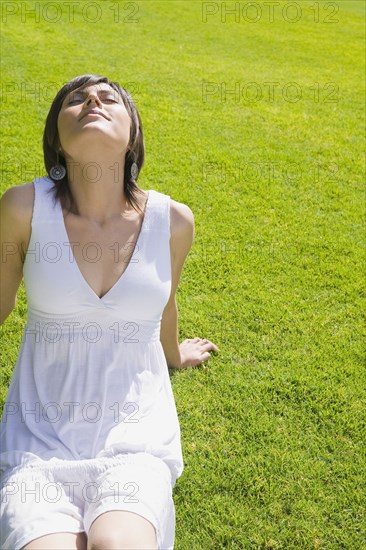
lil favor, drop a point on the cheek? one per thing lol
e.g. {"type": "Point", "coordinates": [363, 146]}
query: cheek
{"type": "Point", "coordinates": [124, 127]}
{"type": "Point", "coordinates": [66, 125]}
{"type": "Point", "coordinates": [62, 125]}
{"type": "Point", "coordinates": [125, 121]}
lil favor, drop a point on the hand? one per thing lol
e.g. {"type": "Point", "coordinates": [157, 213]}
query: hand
{"type": "Point", "coordinates": [195, 351]}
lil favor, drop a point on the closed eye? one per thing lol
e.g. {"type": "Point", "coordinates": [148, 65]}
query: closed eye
{"type": "Point", "coordinates": [103, 100]}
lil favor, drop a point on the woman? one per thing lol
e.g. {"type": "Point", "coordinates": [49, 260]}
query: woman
{"type": "Point", "coordinates": [90, 439]}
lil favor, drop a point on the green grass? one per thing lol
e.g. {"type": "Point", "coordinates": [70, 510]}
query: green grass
{"type": "Point", "coordinates": [273, 428]}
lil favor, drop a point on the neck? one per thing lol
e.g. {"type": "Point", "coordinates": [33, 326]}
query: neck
{"type": "Point", "coordinates": [96, 186]}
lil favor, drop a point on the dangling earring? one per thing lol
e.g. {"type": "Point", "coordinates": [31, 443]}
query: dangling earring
{"type": "Point", "coordinates": [134, 170]}
{"type": "Point", "coordinates": [58, 172]}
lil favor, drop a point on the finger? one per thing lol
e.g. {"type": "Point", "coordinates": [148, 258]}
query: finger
{"type": "Point", "coordinates": [210, 345]}
{"type": "Point", "coordinates": [214, 347]}
{"type": "Point", "coordinates": [204, 341]}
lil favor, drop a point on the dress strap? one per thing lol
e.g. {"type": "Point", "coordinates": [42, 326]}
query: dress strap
{"type": "Point", "coordinates": [45, 207]}
{"type": "Point", "coordinates": [159, 214]}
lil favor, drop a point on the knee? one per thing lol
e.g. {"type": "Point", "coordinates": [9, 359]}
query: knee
{"type": "Point", "coordinates": [121, 530]}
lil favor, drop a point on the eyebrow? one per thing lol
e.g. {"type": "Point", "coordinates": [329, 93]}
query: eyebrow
{"type": "Point", "coordinates": [103, 91]}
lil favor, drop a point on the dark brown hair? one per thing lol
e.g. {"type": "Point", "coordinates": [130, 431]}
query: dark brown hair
{"type": "Point", "coordinates": [136, 147]}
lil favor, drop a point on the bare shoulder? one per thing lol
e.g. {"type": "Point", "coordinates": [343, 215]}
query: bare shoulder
{"type": "Point", "coordinates": [19, 197]}
{"type": "Point", "coordinates": [181, 218]}
{"type": "Point", "coordinates": [181, 228]}
{"type": "Point", "coordinates": [16, 210]}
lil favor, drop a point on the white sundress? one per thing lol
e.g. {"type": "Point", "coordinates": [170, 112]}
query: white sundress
{"type": "Point", "coordinates": [91, 376]}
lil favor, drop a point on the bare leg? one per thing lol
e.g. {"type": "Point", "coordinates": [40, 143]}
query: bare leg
{"type": "Point", "coordinates": [58, 541]}
{"type": "Point", "coordinates": [121, 530]}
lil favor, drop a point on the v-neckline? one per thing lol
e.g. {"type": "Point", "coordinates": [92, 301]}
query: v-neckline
{"type": "Point", "coordinates": [119, 280]}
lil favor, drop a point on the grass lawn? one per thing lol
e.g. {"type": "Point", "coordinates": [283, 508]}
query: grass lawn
{"type": "Point", "coordinates": [258, 126]}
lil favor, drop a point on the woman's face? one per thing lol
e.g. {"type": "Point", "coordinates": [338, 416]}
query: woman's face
{"type": "Point", "coordinates": [93, 118]}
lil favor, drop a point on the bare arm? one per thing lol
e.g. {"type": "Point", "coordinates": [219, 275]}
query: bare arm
{"type": "Point", "coordinates": [15, 218]}
{"type": "Point", "coordinates": [182, 235]}
{"type": "Point", "coordinates": [190, 352]}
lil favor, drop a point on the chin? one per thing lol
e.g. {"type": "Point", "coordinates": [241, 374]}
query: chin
{"type": "Point", "coordinates": [95, 142]}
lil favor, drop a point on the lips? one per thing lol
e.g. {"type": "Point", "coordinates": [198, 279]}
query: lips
{"type": "Point", "coordinates": [94, 112]}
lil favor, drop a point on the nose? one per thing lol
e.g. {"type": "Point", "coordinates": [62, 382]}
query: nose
{"type": "Point", "coordinates": [92, 96]}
